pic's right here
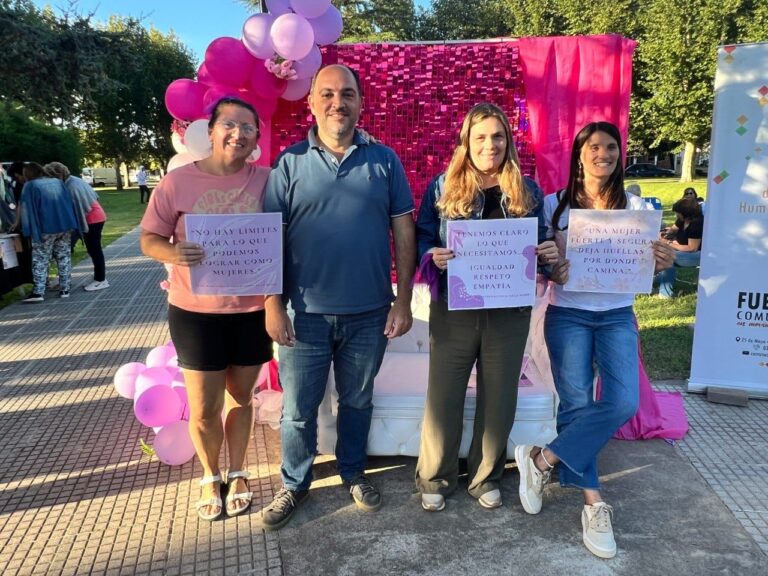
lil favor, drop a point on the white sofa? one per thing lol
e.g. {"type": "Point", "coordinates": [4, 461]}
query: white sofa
{"type": "Point", "coordinates": [401, 386]}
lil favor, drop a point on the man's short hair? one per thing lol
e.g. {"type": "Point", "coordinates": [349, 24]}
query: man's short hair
{"type": "Point", "coordinates": [352, 71]}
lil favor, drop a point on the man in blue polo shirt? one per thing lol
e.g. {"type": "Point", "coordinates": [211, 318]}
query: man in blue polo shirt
{"type": "Point", "coordinates": [340, 194]}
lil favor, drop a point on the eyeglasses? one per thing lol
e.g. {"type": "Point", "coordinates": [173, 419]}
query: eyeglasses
{"type": "Point", "coordinates": [247, 129]}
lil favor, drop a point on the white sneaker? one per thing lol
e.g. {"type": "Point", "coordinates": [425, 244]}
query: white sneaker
{"type": "Point", "coordinates": [597, 530]}
{"type": "Point", "coordinates": [95, 285]}
{"type": "Point", "coordinates": [433, 502]}
{"type": "Point", "coordinates": [490, 499]}
{"type": "Point", "coordinates": [532, 480]}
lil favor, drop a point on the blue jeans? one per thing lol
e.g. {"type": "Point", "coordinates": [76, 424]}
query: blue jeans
{"type": "Point", "coordinates": [577, 338]}
{"type": "Point", "coordinates": [355, 343]}
{"type": "Point", "coordinates": [666, 278]}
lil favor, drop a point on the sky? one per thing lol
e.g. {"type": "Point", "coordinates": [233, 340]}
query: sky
{"type": "Point", "coordinates": [195, 22]}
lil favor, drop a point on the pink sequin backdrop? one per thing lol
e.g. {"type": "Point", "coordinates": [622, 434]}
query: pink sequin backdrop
{"type": "Point", "coordinates": [415, 97]}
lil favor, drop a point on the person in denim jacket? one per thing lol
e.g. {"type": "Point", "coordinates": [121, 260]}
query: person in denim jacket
{"type": "Point", "coordinates": [483, 181]}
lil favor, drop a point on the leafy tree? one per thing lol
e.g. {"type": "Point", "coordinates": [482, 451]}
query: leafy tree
{"type": "Point", "coordinates": [460, 20]}
{"type": "Point", "coordinates": [22, 138]}
{"type": "Point", "coordinates": [677, 60]}
{"type": "Point", "coordinates": [130, 123]}
{"type": "Point", "coordinates": [50, 65]}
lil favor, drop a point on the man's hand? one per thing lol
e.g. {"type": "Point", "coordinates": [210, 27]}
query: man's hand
{"type": "Point", "coordinates": [277, 322]}
{"type": "Point", "coordinates": [664, 255]}
{"type": "Point", "coordinates": [399, 319]}
{"type": "Point", "coordinates": [547, 252]}
{"type": "Point", "coordinates": [560, 272]}
{"type": "Point", "coordinates": [188, 253]}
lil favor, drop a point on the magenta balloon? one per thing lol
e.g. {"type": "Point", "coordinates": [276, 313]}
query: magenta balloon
{"type": "Point", "coordinates": [216, 93]}
{"type": "Point", "coordinates": [173, 444]}
{"type": "Point", "coordinates": [307, 66]}
{"type": "Point", "coordinates": [297, 89]}
{"type": "Point", "coordinates": [310, 8]}
{"type": "Point", "coordinates": [266, 85]}
{"type": "Point", "coordinates": [278, 7]}
{"type": "Point", "coordinates": [202, 74]}
{"type": "Point", "coordinates": [256, 35]}
{"type": "Point", "coordinates": [327, 27]}
{"type": "Point", "coordinates": [184, 99]}
{"type": "Point", "coordinates": [125, 378]}
{"type": "Point", "coordinates": [228, 62]}
{"type": "Point", "coordinates": [292, 36]}
{"type": "Point", "coordinates": [159, 356]}
{"type": "Point", "coordinates": [266, 107]}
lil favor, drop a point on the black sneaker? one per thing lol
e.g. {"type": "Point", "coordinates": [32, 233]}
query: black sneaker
{"type": "Point", "coordinates": [277, 514]}
{"type": "Point", "coordinates": [366, 496]}
{"type": "Point", "coordinates": [64, 294]}
{"type": "Point", "coordinates": [34, 298]}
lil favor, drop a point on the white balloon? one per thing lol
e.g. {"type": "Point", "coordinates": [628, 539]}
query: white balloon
{"type": "Point", "coordinates": [180, 160]}
{"type": "Point", "coordinates": [196, 139]}
{"type": "Point", "coordinates": [255, 155]}
{"type": "Point", "coordinates": [178, 145]}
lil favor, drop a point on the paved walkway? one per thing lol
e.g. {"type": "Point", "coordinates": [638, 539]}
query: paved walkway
{"type": "Point", "coordinates": [77, 495]}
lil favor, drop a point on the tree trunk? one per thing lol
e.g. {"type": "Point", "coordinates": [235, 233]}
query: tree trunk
{"type": "Point", "coordinates": [119, 178]}
{"type": "Point", "coordinates": [689, 162]}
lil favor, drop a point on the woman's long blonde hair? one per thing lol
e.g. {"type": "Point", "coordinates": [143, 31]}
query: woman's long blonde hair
{"type": "Point", "coordinates": [463, 180]}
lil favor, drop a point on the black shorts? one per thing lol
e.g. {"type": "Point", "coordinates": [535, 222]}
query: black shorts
{"type": "Point", "coordinates": [211, 342]}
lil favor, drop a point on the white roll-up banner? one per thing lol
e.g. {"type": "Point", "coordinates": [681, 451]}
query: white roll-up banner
{"type": "Point", "coordinates": [730, 343]}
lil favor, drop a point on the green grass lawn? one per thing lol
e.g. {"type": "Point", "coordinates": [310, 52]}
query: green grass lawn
{"type": "Point", "coordinates": [666, 326]}
{"type": "Point", "coordinates": [124, 212]}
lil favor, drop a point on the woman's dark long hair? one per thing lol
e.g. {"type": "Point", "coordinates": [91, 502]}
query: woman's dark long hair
{"type": "Point", "coordinates": [574, 194]}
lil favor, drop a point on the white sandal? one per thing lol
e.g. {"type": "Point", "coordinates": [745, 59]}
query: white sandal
{"type": "Point", "coordinates": [231, 497]}
{"type": "Point", "coordinates": [212, 501]}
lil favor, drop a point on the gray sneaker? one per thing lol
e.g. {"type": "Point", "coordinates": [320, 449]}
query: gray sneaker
{"type": "Point", "coordinates": [280, 510]}
{"type": "Point", "coordinates": [532, 480]}
{"type": "Point", "coordinates": [366, 496]}
{"type": "Point", "coordinates": [597, 530]}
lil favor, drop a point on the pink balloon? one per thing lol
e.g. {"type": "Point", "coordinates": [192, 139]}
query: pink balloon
{"type": "Point", "coordinates": [159, 356]}
{"type": "Point", "coordinates": [265, 107]}
{"type": "Point", "coordinates": [327, 27]}
{"type": "Point", "coordinates": [202, 74]}
{"type": "Point", "coordinates": [228, 62]}
{"type": "Point", "coordinates": [184, 99]}
{"type": "Point", "coordinates": [170, 345]}
{"type": "Point", "coordinates": [307, 66]}
{"type": "Point", "coordinates": [310, 8]}
{"type": "Point", "coordinates": [278, 7]}
{"type": "Point", "coordinates": [216, 93]}
{"type": "Point", "coordinates": [266, 85]}
{"type": "Point", "coordinates": [256, 35]}
{"type": "Point", "coordinates": [155, 402]}
{"type": "Point", "coordinates": [125, 378]}
{"type": "Point", "coordinates": [292, 36]}
{"type": "Point", "coordinates": [297, 89]}
{"type": "Point", "coordinates": [173, 444]}
{"type": "Point", "coordinates": [179, 160]}
{"type": "Point", "coordinates": [181, 392]}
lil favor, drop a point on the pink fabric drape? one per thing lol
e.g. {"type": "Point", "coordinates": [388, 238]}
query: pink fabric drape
{"type": "Point", "coordinates": [569, 82]}
{"type": "Point", "coordinates": [659, 415]}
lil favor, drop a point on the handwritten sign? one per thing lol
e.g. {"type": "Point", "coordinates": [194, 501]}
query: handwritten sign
{"type": "Point", "coordinates": [495, 263]}
{"type": "Point", "coordinates": [243, 253]}
{"type": "Point", "coordinates": [610, 250]}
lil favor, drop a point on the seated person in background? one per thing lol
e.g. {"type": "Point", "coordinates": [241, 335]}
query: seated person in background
{"type": "Point", "coordinates": [685, 238]}
{"type": "Point", "coordinates": [634, 189]}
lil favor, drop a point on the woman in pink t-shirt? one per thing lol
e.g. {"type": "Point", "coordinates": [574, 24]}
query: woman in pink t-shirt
{"type": "Point", "coordinates": [220, 340]}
